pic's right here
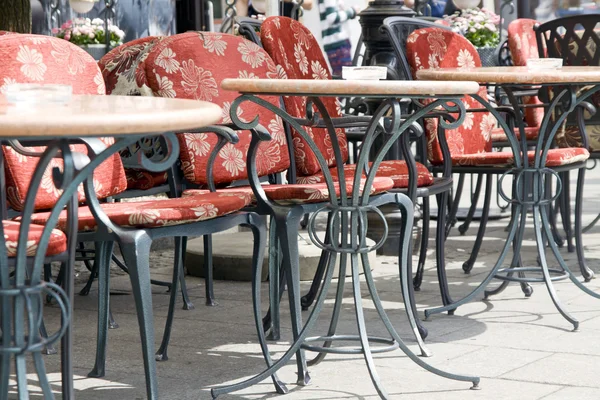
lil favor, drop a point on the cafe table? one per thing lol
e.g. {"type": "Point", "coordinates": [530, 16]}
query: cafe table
{"type": "Point", "coordinates": [78, 119]}
{"type": "Point", "coordinates": [348, 227]}
{"type": "Point", "coordinates": [568, 88]}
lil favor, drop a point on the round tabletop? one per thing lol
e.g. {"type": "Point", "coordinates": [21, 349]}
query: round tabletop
{"type": "Point", "coordinates": [517, 75]}
{"type": "Point", "coordinates": [105, 116]}
{"type": "Point", "coordinates": [314, 87]}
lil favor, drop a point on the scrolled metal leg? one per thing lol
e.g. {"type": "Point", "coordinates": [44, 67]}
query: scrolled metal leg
{"type": "Point", "coordinates": [440, 252]}
{"type": "Point", "coordinates": [454, 206]}
{"type": "Point", "coordinates": [102, 264]}
{"type": "Point", "coordinates": [187, 303]}
{"type": "Point", "coordinates": [468, 265]}
{"type": "Point", "coordinates": [586, 272]}
{"type": "Point", "coordinates": [565, 207]}
{"type": "Point", "coordinates": [271, 322]}
{"type": "Point", "coordinates": [208, 269]}
{"type": "Point", "coordinates": [309, 297]}
{"type": "Point", "coordinates": [555, 234]}
{"type": "Point", "coordinates": [418, 279]}
{"type": "Point", "coordinates": [474, 199]}
{"type": "Point", "coordinates": [136, 253]}
{"type": "Point", "coordinates": [161, 354]}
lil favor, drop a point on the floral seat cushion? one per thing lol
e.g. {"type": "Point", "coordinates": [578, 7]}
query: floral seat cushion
{"type": "Point", "coordinates": [569, 136]}
{"type": "Point", "coordinates": [56, 244]}
{"type": "Point", "coordinates": [144, 180]}
{"type": "Point", "coordinates": [531, 133]}
{"type": "Point", "coordinates": [301, 193]}
{"type": "Point", "coordinates": [191, 66]}
{"type": "Point", "coordinates": [556, 158]}
{"type": "Point", "coordinates": [397, 170]}
{"type": "Point", "coordinates": [159, 213]}
{"type": "Point", "coordinates": [121, 66]}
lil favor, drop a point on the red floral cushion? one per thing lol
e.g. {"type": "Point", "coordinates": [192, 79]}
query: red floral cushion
{"type": "Point", "coordinates": [2, 33]}
{"type": "Point", "coordinates": [300, 193]}
{"type": "Point", "coordinates": [394, 169]}
{"type": "Point", "coordinates": [531, 133]}
{"type": "Point", "coordinates": [43, 59]}
{"type": "Point", "coordinates": [437, 48]}
{"type": "Point", "coordinates": [192, 65]}
{"type": "Point", "coordinates": [556, 157]}
{"type": "Point", "coordinates": [523, 46]}
{"type": "Point", "coordinates": [569, 136]}
{"type": "Point", "coordinates": [120, 66]}
{"type": "Point", "coordinates": [56, 244]}
{"type": "Point", "coordinates": [144, 180]}
{"type": "Point", "coordinates": [297, 53]}
{"type": "Point", "coordinates": [158, 213]}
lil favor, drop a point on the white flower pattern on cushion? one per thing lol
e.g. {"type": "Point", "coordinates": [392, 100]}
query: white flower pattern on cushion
{"type": "Point", "coordinates": [252, 53]}
{"type": "Point", "coordinates": [214, 44]}
{"type": "Point", "coordinates": [7, 81]}
{"type": "Point", "coordinates": [277, 130]}
{"type": "Point", "coordinates": [469, 117]}
{"type": "Point", "coordinates": [99, 81]}
{"type": "Point", "coordinates": [465, 59]}
{"type": "Point", "coordinates": [433, 61]}
{"type": "Point", "coordinates": [75, 59]}
{"type": "Point", "coordinates": [233, 160]}
{"type": "Point", "coordinates": [437, 44]}
{"type": "Point", "coordinates": [276, 72]}
{"type": "Point", "coordinates": [318, 72]}
{"type": "Point", "coordinates": [226, 112]}
{"type": "Point", "coordinates": [11, 247]}
{"type": "Point", "coordinates": [165, 87]}
{"type": "Point", "coordinates": [205, 211]}
{"type": "Point", "coordinates": [301, 34]}
{"type": "Point", "coordinates": [301, 59]}
{"type": "Point", "coordinates": [143, 217]}
{"type": "Point", "coordinates": [284, 54]}
{"type": "Point", "coordinates": [33, 63]}
{"type": "Point", "coordinates": [197, 143]}
{"type": "Point", "coordinates": [198, 82]}
{"type": "Point", "coordinates": [488, 123]}
{"type": "Point", "coordinates": [167, 61]}
{"type": "Point", "coordinates": [247, 75]}
{"type": "Point", "coordinates": [266, 157]}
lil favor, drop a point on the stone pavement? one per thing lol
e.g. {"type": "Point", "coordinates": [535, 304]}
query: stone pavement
{"type": "Point", "coordinates": [522, 348]}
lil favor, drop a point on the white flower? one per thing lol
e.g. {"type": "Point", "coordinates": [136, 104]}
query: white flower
{"type": "Point", "coordinates": [277, 130]}
{"type": "Point", "coordinates": [318, 72]}
{"type": "Point", "coordinates": [197, 143]}
{"type": "Point", "coordinates": [465, 59]}
{"type": "Point", "coordinates": [252, 53]}
{"type": "Point", "coordinates": [301, 59]}
{"type": "Point", "coordinates": [433, 61]}
{"type": "Point", "coordinates": [143, 217]}
{"type": "Point", "coordinates": [167, 61]}
{"type": "Point", "coordinates": [247, 75]}
{"type": "Point", "coordinates": [205, 211]}
{"type": "Point", "coordinates": [214, 44]}
{"type": "Point", "coordinates": [226, 110]}
{"type": "Point", "coordinates": [233, 160]}
{"type": "Point", "coordinates": [165, 87]}
{"type": "Point", "coordinates": [198, 82]}
{"type": "Point", "coordinates": [488, 123]}
{"type": "Point", "coordinates": [7, 81]}
{"type": "Point", "coordinates": [32, 62]}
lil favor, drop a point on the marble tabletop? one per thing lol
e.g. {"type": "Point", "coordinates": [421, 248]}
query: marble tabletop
{"type": "Point", "coordinates": [372, 88]}
{"type": "Point", "coordinates": [518, 75]}
{"type": "Point", "coordinates": [105, 115]}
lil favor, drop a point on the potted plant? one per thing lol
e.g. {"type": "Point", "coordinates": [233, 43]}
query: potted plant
{"type": "Point", "coordinates": [481, 28]}
{"type": "Point", "coordinates": [90, 35]}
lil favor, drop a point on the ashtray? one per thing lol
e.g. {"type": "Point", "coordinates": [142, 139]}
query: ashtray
{"type": "Point", "coordinates": [33, 93]}
{"type": "Point", "coordinates": [544, 63]}
{"type": "Point", "coordinates": [364, 73]}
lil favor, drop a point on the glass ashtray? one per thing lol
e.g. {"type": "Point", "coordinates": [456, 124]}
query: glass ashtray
{"type": "Point", "coordinates": [536, 64]}
{"type": "Point", "coordinates": [364, 73]}
{"type": "Point", "coordinates": [33, 93]}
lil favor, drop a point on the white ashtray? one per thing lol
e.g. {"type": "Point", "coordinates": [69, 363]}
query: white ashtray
{"type": "Point", "coordinates": [33, 93]}
{"type": "Point", "coordinates": [544, 63]}
{"type": "Point", "coordinates": [364, 73]}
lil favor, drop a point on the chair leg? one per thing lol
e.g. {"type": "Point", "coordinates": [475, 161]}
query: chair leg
{"type": "Point", "coordinates": [474, 199]}
{"type": "Point", "coordinates": [271, 321]}
{"type": "Point", "coordinates": [102, 265]}
{"type": "Point", "coordinates": [565, 207]}
{"type": "Point", "coordinates": [93, 275]}
{"type": "Point", "coordinates": [208, 271]}
{"type": "Point", "coordinates": [187, 303]}
{"type": "Point", "coordinates": [309, 297]}
{"type": "Point", "coordinates": [418, 279]}
{"type": "Point", "coordinates": [587, 273]}
{"type": "Point", "coordinates": [161, 354]}
{"type": "Point", "coordinates": [287, 232]}
{"type": "Point", "coordinates": [136, 253]}
{"type": "Point", "coordinates": [552, 214]}
{"type": "Point", "coordinates": [468, 265]}
{"type": "Point", "coordinates": [440, 250]}
{"type": "Point", "coordinates": [454, 204]}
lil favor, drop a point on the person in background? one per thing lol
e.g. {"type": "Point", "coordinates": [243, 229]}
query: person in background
{"type": "Point", "coordinates": [336, 41]}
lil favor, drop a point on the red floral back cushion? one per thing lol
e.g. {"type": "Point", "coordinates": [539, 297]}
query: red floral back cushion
{"type": "Point", "coordinates": [192, 65]}
{"type": "Point", "coordinates": [523, 46]}
{"type": "Point", "coordinates": [295, 50]}
{"type": "Point", "coordinates": [436, 48]}
{"type": "Point", "coordinates": [43, 59]}
{"type": "Point", "coordinates": [120, 66]}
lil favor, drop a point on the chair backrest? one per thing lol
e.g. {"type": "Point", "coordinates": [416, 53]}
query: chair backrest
{"type": "Point", "coordinates": [120, 66]}
{"type": "Point", "coordinates": [192, 65]}
{"type": "Point", "coordinates": [439, 48]}
{"type": "Point", "coordinates": [398, 30]}
{"type": "Point", "coordinates": [249, 28]}
{"type": "Point", "coordinates": [575, 39]}
{"type": "Point", "coordinates": [42, 59]}
{"type": "Point", "coordinates": [296, 51]}
{"type": "Point", "coordinates": [523, 46]}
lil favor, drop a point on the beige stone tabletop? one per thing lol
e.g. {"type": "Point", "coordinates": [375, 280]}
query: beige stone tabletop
{"type": "Point", "coordinates": [519, 75]}
{"type": "Point", "coordinates": [373, 88]}
{"type": "Point", "coordinates": [105, 116]}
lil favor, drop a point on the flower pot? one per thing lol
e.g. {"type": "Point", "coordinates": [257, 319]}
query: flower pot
{"type": "Point", "coordinates": [96, 50]}
{"type": "Point", "coordinates": [488, 56]}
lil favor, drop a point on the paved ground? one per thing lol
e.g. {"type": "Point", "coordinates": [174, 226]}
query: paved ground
{"type": "Point", "coordinates": [522, 348]}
